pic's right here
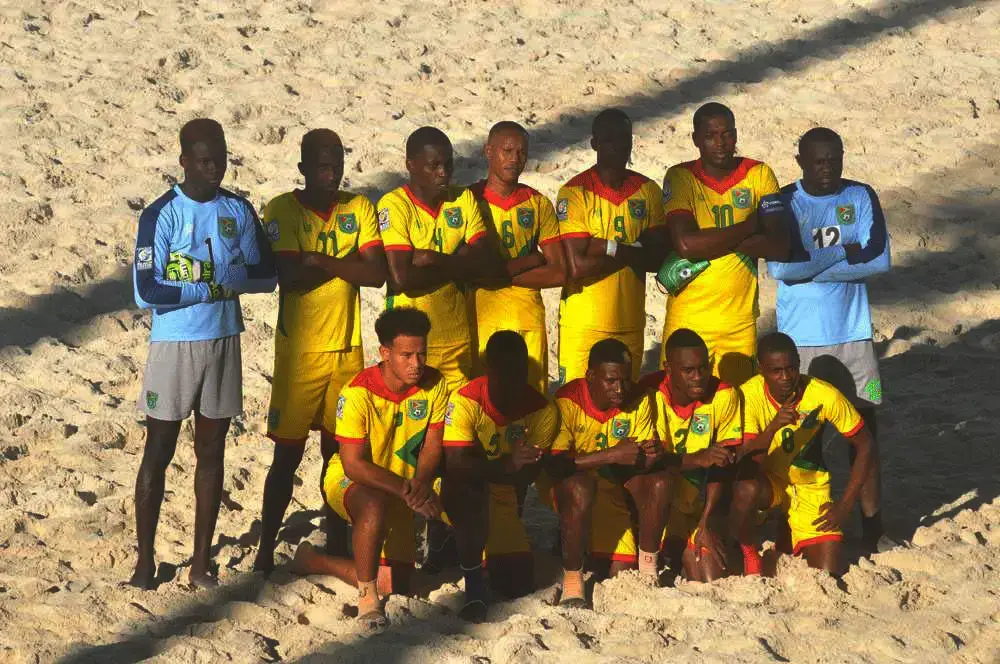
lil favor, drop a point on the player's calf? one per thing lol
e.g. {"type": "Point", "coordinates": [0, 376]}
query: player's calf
{"type": "Point", "coordinates": [277, 494]}
{"type": "Point", "coordinates": [651, 494]}
{"type": "Point", "coordinates": [749, 496]}
{"type": "Point", "coordinates": [575, 502]}
{"type": "Point", "coordinates": [465, 497]}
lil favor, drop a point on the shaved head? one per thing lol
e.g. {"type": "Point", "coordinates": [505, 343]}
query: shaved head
{"type": "Point", "coordinates": [320, 139]}
{"type": "Point", "coordinates": [506, 127]}
{"type": "Point", "coordinates": [610, 120]}
{"type": "Point", "coordinates": [200, 130]}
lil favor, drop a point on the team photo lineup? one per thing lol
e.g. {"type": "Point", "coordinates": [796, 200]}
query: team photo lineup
{"type": "Point", "coordinates": [673, 469]}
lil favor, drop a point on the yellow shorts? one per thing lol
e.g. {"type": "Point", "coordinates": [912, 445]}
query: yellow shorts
{"type": "Point", "coordinates": [507, 536]}
{"type": "Point", "coordinates": [802, 503]}
{"type": "Point", "coordinates": [681, 525]}
{"type": "Point", "coordinates": [732, 354]}
{"type": "Point", "coordinates": [304, 391]}
{"type": "Point", "coordinates": [454, 361]}
{"type": "Point", "coordinates": [575, 344]}
{"type": "Point", "coordinates": [538, 353]}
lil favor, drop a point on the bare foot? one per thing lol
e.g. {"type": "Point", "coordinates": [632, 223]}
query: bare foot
{"type": "Point", "coordinates": [374, 620]}
{"type": "Point", "coordinates": [144, 576]}
{"type": "Point", "coordinates": [300, 563]}
{"type": "Point", "coordinates": [203, 580]}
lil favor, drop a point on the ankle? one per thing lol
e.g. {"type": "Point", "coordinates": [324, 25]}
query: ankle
{"type": "Point", "coordinates": [367, 597]}
{"type": "Point", "coordinates": [572, 583]}
{"type": "Point", "coordinates": [475, 585]}
{"type": "Point", "coordinates": [648, 563]}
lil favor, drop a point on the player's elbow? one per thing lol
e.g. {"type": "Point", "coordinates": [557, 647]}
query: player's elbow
{"type": "Point", "coordinates": [684, 249]}
{"type": "Point", "coordinates": [151, 294]}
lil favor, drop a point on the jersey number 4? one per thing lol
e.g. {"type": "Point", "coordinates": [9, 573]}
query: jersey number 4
{"type": "Point", "coordinates": [827, 236]}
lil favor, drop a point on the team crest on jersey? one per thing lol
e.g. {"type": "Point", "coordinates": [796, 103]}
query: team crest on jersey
{"type": "Point", "coordinates": [273, 417]}
{"type": "Point", "coordinates": [383, 219]}
{"type": "Point", "coordinates": [227, 227]}
{"type": "Point", "coordinates": [637, 209]}
{"type": "Point", "coordinates": [341, 400]}
{"type": "Point", "coordinates": [272, 231]}
{"type": "Point", "coordinates": [525, 218]}
{"type": "Point", "coordinates": [144, 258]}
{"type": "Point", "coordinates": [454, 217]}
{"type": "Point", "coordinates": [151, 399]}
{"type": "Point", "coordinates": [741, 198]}
{"type": "Point", "coordinates": [516, 433]}
{"type": "Point", "coordinates": [562, 209]}
{"type": "Point", "coordinates": [620, 428]}
{"type": "Point", "coordinates": [347, 223]}
{"type": "Point", "coordinates": [700, 423]}
{"type": "Point", "coordinates": [667, 191]}
{"type": "Point", "coordinates": [417, 409]}
{"type": "Point", "coordinates": [845, 214]}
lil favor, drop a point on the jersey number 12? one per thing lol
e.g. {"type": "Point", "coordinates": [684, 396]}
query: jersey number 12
{"type": "Point", "coordinates": [827, 236]}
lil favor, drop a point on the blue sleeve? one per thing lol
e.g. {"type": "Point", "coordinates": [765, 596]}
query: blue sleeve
{"type": "Point", "coordinates": [875, 256]}
{"type": "Point", "coordinates": [802, 264]}
{"type": "Point", "coordinates": [257, 274]}
{"type": "Point", "coordinates": [152, 249]}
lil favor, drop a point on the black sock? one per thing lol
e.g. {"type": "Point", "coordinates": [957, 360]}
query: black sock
{"type": "Point", "coordinates": [475, 584]}
{"type": "Point", "coordinates": [871, 529]}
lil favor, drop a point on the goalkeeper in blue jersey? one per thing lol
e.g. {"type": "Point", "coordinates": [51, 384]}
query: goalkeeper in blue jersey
{"type": "Point", "coordinates": [840, 239]}
{"type": "Point", "coordinates": [197, 248]}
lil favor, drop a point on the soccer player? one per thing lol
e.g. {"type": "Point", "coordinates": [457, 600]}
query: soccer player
{"type": "Point", "coordinates": [784, 414]}
{"type": "Point", "coordinates": [390, 420]}
{"type": "Point", "coordinates": [698, 419]}
{"type": "Point", "coordinates": [723, 212]}
{"type": "Point", "coordinates": [496, 427]}
{"type": "Point", "coordinates": [606, 464]}
{"type": "Point", "coordinates": [327, 246]}
{"type": "Point", "coordinates": [609, 218]}
{"type": "Point", "coordinates": [197, 248]}
{"type": "Point", "coordinates": [522, 224]}
{"type": "Point", "coordinates": [435, 242]}
{"type": "Point", "coordinates": [839, 240]}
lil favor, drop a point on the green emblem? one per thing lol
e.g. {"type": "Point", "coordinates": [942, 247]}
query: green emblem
{"type": "Point", "coordinates": [418, 409]}
{"type": "Point", "coordinates": [700, 423]}
{"type": "Point", "coordinates": [151, 399]}
{"type": "Point", "coordinates": [677, 272]}
{"type": "Point", "coordinates": [273, 417]}
{"type": "Point", "coordinates": [227, 227]}
{"type": "Point", "coordinates": [620, 428]}
{"type": "Point", "coordinates": [873, 390]}
{"type": "Point", "coordinates": [845, 214]}
{"type": "Point", "coordinates": [347, 223]}
{"type": "Point", "coordinates": [741, 198]}
{"type": "Point", "coordinates": [516, 433]}
{"type": "Point", "coordinates": [454, 217]}
{"type": "Point", "coordinates": [493, 449]}
{"type": "Point", "coordinates": [637, 209]}
{"type": "Point", "coordinates": [345, 482]}
{"type": "Point", "coordinates": [525, 218]}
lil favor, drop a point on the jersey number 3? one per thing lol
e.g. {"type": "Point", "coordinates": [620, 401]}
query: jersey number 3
{"type": "Point", "coordinates": [827, 236]}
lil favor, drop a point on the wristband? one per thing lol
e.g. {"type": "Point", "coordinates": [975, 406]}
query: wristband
{"type": "Point", "coordinates": [612, 248]}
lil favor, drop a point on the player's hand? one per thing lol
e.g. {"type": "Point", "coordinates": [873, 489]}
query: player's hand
{"type": "Point", "coordinates": [425, 258]}
{"type": "Point", "coordinates": [716, 455]}
{"type": "Point", "coordinates": [420, 497]}
{"type": "Point", "coordinates": [627, 453]}
{"type": "Point", "coordinates": [707, 543]}
{"type": "Point", "coordinates": [217, 292]}
{"type": "Point", "coordinates": [832, 516]}
{"type": "Point", "coordinates": [653, 453]}
{"type": "Point", "coordinates": [312, 259]}
{"type": "Point", "coordinates": [787, 414]}
{"type": "Point", "coordinates": [523, 454]}
{"type": "Point", "coordinates": [853, 251]}
{"type": "Point", "coordinates": [181, 267]}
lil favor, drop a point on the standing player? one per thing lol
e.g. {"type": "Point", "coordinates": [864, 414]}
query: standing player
{"type": "Point", "coordinates": [712, 209]}
{"type": "Point", "coordinates": [327, 246]}
{"type": "Point", "coordinates": [839, 240]}
{"type": "Point", "coordinates": [197, 248]}
{"type": "Point", "coordinates": [698, 419]}
{"type": "Point", "coordinates": [521, 222]}
{"type": "Point", "coordinates": [435, 242]}
{"type": "Point", "coordinates": [607, 464]}
{"type": "Point", "coordinates": [495, 428]}
{"type": "Point", "coordinates": [784, 412]}
{"type": "Point", "coordinates": [390, 419]}
{"type": "Point", "coordinates": [609, 218]}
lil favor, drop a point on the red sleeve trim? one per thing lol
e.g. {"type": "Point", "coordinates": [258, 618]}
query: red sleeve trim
{"type": "Point", "coordinates": [570, 236]}
{"type": "Point", "coordinates": [749, 436]}
{"type": "Point", "coordinates": [675, 213]}
{"type": "Point", "coordinates": [477, 237]}
{"type": "Point", "coordinates": [436, 425]}
{"type": "Point", "coordinates": [398, 247]}
{"type": "Point", "coordinates": [732, 442]}
{"type": "Point", "coordinates": [458, 443]}
{"type": "Point", "coordinates": [855, 430]}
{"type": "Point", "coordinates": [550, 240]}
{"type": "Point", "coordinates": [344, 440]}
{"type": "Point", "coordinates": [369, 245]}
{"type": "Point", "coordinates": [570, 452]}
{"type": "Point", "coordinates": [661, 227]}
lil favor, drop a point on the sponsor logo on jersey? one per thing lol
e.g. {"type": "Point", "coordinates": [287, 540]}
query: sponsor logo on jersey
{"type": "Point", "coordinates": [227, 227]}
{"type": "Point", "coordinates": [845, 214]}
{"type": "Point", "coordinates": [144, 258]}
{"type": "Point", "coordinates": [562, 209]}
{"type": "Point", "coordinates": [151, 399]}
{"type": "Point", "coordinates": [771, 205]}
{"type": "Point", "coordinates": [700, 423]}
{"type": "Point", "coordinates": [620, 428]}
{"type": "Point", "coordinates": [637, 209]}
{"type": "Point", "coordinates": [525, 218]}
{"type": "Point", "coordinates": [341, 401]}
{"type": "Point", "coordinates": [273, 231]}
{"type": "Point", "coordinates": [347, 223]}
{"type": "Point", "coordinates": [741, 198]}
{"type": "Point", "coordinates": [454, 217]}
{"type": "Point", "coordinates": [383, 219]}
{"type": "Point", "coordinates": [417, 409]}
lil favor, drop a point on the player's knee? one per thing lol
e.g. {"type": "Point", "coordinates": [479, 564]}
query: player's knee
{"type": "Point", "coordinates": [368, 502]}
{"type": "Point", "coordinates": [286, 458]}
{"type": "Point", "coordinates": [210, 453]}
{"type": "Point", "coordinates": [746, 493]}
{"type": "Point", "coordinates": [576, 494]}
{"type": "Point", "coordinates": [658, 489]}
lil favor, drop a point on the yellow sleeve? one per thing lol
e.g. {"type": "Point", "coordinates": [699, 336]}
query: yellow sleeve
{"type": "Point", "coordinates": [280, 227]}
{"type": "Point", "coordinates": [459, 423]}
{"type": "Point", "coordinates": [564, 441]}
{"type": "Point", "coordinates": [642, 420]}
{"type": "Point", "coordinates": [571, 213]}
{"type": "Point", "coordinates": [548, 227]}
{"type": "Point", "coordinates": [678, 195]}
{"type": "Point", "coordinates": [439, 403]}
{"type": "Point", "coordinates": [393, 223]}
{"type": "Point", "coordinates": [654, 203]}
{"type": "Point", "coordinates": [543, 428]}
{"type": "Point", "coordinates": [352, 416]}
{"type": "Point", "coordinates": [475, 228]}
{"type": "Point", "coordinates": [753, 413]}
{"type": "Point", "coordinates": [767, 183]}
{"type": "Point", "coordinates": [367, 223]}
{"type": "Point", "coordinates": [728, 429]}
{"type": "Point", "coordinates": [842, 414]}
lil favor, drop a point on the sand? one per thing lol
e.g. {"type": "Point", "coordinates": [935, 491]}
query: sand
{"type": "Point", "coordinates": [93, 93]}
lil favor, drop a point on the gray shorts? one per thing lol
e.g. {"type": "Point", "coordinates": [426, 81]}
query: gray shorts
{"type": "Point", "coordinates": [186, 376]}
{"type": "Point", "coordinates": [851, 367]}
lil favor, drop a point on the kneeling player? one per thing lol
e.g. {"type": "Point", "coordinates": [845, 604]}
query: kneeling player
{"type": "Point", "coordinates": [386, 415]}
{"type": "Point", "coordinates": [495, 429]}
{"type": "Point", "coordinates": [785, 413]}
{"type": "Point", "coordinates": [698, 419]}
{"type": "Point", "coordinates": [606, 464]}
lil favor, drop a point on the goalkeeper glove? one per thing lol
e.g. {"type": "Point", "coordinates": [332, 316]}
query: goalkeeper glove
{"type": "Point", "coordinates": [186, 268]}
{"type": "Point", "coordinates": [218, 292]}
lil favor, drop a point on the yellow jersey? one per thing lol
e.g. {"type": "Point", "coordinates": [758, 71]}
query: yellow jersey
{"type": "Point", "coordinates": [584, 429]}
{"type": "Point", "coordinates": [586, 207]}
{"type": "Point", "coordinates": [694, 427]}
{"type": "Point", "coordinates": [472, 419]}
{"type": "Point", "coordinates": [796, 451]}
{"type": "Point", "coordinates": [393, 424]}
{"type": "Point", "coordinates": [406, 223]}
{"type": "Point", "coordinates": [519, 224]}
{"type": "Point", "coordinates": [724, 296]}
{"type": "Point", "coordinates": [328, 317]}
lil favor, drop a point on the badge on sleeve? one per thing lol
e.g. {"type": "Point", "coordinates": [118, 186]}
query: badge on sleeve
{"type": "Point", "coordinates": [383, 219]}
{"type": "Point", "coordinates": [562, 209]}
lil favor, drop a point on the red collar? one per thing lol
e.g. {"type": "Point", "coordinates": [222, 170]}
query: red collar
{"type": "Point", "coordinates": [372, 380]}
{"type": "Point", "coordinates": [478, 391]}
{"type": "Point", "coordinates": [521, 193]}
{"type": "Point", "coordinates": [590, 181]}
{"type": "Point", "coordinates": [743, 167]}
{"type": "Point", "coordinates": [325, 216]}
{"type": "Point", "coordinates": [420, 204]}
{"type": "Point", "coordinates": [578, 392]}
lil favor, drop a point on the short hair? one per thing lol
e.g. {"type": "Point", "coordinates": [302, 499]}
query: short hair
{"type": "Point", "coordinates": [685, 338]}
{"type": "Point", "coordinates": [608, 351]}
{"type": "Point", "coordinates": [425, 137]}
{"type": "Point", "coordinates": [401, 321]}
{"type": "Point", "coordinates": [317, 139]}
{"type": "Point", "coordinates": [820, 135]}
{"type": "Point", "coordinates": [200, 130]}
{"type": "Point", "coordinates": [776, 342]}
{"type": "Point", "coordinates": [503, 346]}
{"type": "Point", "coordinates": [506, 125]}
{"type": "Point", "coordinates": [609, 117]}
{"type": "Point", "coordinates": [712, 109]}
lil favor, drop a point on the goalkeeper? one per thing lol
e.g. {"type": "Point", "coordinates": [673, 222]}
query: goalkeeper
{"type": "Point", "coordinates": [197, 248]}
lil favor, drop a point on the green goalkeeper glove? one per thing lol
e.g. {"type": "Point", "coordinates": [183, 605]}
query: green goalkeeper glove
{"type": "Point", "coordinates": [185, 268]}
{"type": "Point", "coordinates": [217, 292]}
